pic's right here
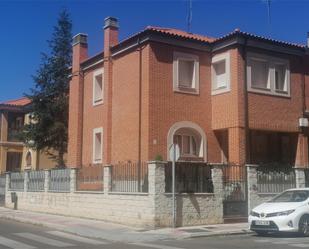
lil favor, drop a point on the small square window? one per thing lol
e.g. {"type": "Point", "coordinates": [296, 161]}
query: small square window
{"type": "Point", "coordinates": [97, 145]}
{"type": "Point", "coordinates": [98, 87]}
{"type": "Point", "coordinates": [185, 73]}
{"type": "Point", "coordinates": [220, 73]}
{"type": "Point", "coordinates": [259, 74]}
{"type": "Point", "coordinates": [280, 82]}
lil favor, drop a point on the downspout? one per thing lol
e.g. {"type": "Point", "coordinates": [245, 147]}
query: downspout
{"type": "Point", "coordinates": [247, 131]}
{"type": "Point", "coordinates": [139, 114]}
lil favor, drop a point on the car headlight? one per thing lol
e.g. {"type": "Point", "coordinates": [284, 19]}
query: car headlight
{"type": "Point", "coordinates": [252, 213]}
{"type": "Point", "coordinates": [283, 213]}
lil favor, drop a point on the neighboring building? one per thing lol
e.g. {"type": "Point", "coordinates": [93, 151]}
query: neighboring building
{"type": "Point", "coordinates": [240, 98]}
{"type": "Point", "coordinates": [14, 156]}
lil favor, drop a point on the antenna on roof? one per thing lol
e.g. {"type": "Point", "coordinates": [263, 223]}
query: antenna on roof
{"type": "Point", "coordinates": [269, 16]}
{"type": "Point", "coordinates": [189, 17]}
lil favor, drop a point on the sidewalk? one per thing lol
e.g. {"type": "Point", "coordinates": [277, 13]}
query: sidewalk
{"type": "Point", "coordinates": [116, 232]}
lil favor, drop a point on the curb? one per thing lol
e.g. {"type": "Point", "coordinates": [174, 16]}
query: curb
{"type": "Point", "coordinates": [217, 234]}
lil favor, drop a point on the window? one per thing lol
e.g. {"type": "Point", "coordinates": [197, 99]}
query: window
{"type": "Point", "coordinates": [220, 73]}
{"type": "Point", "coordinates": [98, 87]}
{"type": "Point", "coordinates": [187, 145]}
{"type": "Point", "coordinates": [267, 74]}
{"type": "Point", "coordinates": [186, 72]}
{"type": "Point", "coordinates": [28, 159]}
{"type": "Point", "coordinates": [97, 145]}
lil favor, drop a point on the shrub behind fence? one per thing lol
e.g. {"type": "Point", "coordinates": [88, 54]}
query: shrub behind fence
{"type": "Point", "coordinates": [17, 181]}
{"type": "Point", "coordinates": [60, 180]}
{"type": "Point", "coordinates": [275, 178]}
{"type": "Point", "coordinates": [90, 178]}
{"type": "Point", "coordinates": [130, 177]}
{"type": "Point", "coordinates": [36, 181]}
{"type": "Point", "coordinates": [190, 178]}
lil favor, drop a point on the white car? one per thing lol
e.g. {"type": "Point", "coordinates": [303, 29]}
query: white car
{"type": "Point", "coordinates": [287, 212]}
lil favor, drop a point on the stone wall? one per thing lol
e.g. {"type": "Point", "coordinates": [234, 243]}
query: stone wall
{"type": "Point", "coordinates": [150, 210]}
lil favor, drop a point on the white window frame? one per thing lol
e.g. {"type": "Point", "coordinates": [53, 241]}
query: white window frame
{"type": "Point", "coordinates": [95, 74]}
{"type": "Point", "coordinates": [217, 59]}
{"type": "Point", "coordinates": [271, 62]}
{"type": "Point", "coordinates": [95, 132]}
{"type": "Point", "coordinates": [187, 57]}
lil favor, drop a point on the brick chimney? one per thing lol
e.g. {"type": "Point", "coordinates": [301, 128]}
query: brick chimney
{"type": "Point", "coordinates": [111, 29]}
{"type": "Point", "coordinates": [80, 53]}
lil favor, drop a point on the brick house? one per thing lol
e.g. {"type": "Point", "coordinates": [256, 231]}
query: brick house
{"type": "Point", "coordinates": [14, 155]}
{"type": "Point", "coordinates": [240, 98]}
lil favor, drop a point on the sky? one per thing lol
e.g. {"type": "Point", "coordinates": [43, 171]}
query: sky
{"type": "Point", "coordinates": [25, 26]}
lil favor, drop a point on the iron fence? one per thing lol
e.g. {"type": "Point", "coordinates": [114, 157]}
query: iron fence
{"type": "Point", "coordinates": [60, 180]}
{"type": "Point", "coordinates": [36, 181]}
{"type": "Point", "coordinates": [189, 178]}
{"type": "Point", "coordinates": [234, 182]}
{"type": "Point", "coordinates": [275, 178]}
{"type": "Point", "coordinates": [2, 189]}
{"type": "Point", "coordinates": [90, 178]}
{"type": "Point", "coordinates": [307, 178]}
{"type": "Point", "coordinates": [17, 181]}
{"type": "Point", "coordinates": [130, 177]}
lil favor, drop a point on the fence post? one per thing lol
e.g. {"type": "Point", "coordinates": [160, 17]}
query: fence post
{"type": "Point", "coordinates": [73, 180]}
{"type": "Point", "coordinates": [156, 190]}
{"type": "Point", "coordinates": [217, 181]}
{"type": "Point", "coordinates": [7, 181]}
{"type": "Point", "coordinates": [26, 180]}
{"type": "Point", "coordinates": [46, 180]}
{"type": "Point", "coordinates": [107, 179]}
{"type": "Point", "coordinates": [252, 185]}
{"type": "Point", "coordinates": [300, 177]}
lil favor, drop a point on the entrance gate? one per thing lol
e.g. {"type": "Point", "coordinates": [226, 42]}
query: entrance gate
{"type": "Point", "coordinates": [2, 190]}
{"type": "Point", "coordinates": [235, 203]}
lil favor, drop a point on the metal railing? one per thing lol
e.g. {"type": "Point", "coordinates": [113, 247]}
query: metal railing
{"type": "Point", "coordinates": [190, 178]}
{"type": "Point", "coordinates": [17, 181]}
{"type": "Point", "coordinates": [130, 177]}
{"type": "Point", "coordinates": [2, 189]}
{"type": "Point", "coordinates": [36, 181]}
{"type": "Point", "coordinates": [306, 178]}
{"type": "Point", "coordinates": [90, 178]}
{"type": "Point", "coordinates": [275, 178]}
{"type": "Point", "coordinates": [59, 180]}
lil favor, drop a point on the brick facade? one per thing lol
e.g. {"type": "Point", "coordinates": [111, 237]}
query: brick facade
{"type": "Point", "coordinates": [140, 105]}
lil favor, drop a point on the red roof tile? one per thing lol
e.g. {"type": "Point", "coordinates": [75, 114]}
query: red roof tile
{"type": "Point", "coordinates": [181, 33]}
{"type": "Point", "coordinates": [17, 102]}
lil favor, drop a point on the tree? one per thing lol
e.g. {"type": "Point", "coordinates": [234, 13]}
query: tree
{"type": "Point", "coordinates": [48, 127]}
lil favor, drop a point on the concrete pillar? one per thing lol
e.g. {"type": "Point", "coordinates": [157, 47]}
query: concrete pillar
{"type": "Point", "coordinates": [7, 181]}
{"type": "Point", "coordinates": [217, 179]}
{"type": "Point", "coordinates": [300, 177]}
{"type": "Point", "coordinates": [4, 127]}
{"type": "Point", "coordinates": [26, 180]}
{"type": "Point", "coordinates": [46, 180]}
{"type": "Point", "coordinates": [302, 152]}
{"type": "Point", "coordinates": [156, 189]}
{"type": "Point", "coordinates": [73, 180]}
{"type": "Point", "coordinates": [107, 175]}
{"type": "Point", "coordinates": [252, 185]}
{"type": "Point", "coordinates": [237, 145]}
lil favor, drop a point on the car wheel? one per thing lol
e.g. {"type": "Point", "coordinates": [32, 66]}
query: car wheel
{"type": "Point", "coordinates": [304, 225]}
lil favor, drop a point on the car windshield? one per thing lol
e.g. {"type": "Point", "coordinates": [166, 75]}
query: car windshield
{"type": "Point", "coordinates": [292, 196]}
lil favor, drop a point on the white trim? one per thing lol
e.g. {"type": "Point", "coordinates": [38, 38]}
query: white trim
{"type": "Point", "coordinates": [187, 124]}
{"type": "Point", "coordinates": [96, 131]}
{"type": "Point", "coordinates": [271, 63]}
{"type": "Point", "coordinates": [95, 74]}
{"type": "Point", "coordinates": [216, 59]}
{"type": "Point", "coordinates": [187, 57]}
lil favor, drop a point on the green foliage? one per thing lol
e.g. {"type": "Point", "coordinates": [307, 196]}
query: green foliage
{"type": "Point", "coordinates": [158, 157]}
{"type": "Point", "coordinates": [48, 129]}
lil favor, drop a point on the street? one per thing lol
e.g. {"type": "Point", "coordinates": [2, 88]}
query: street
{"type": "Point", "coordinates": [18, 235]}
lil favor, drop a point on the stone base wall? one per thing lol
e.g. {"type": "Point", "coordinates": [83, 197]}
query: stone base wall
{"type": "Point", "coordinates": [134, 210]}
{"type": "Point", "coordinates": [148, 210]}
